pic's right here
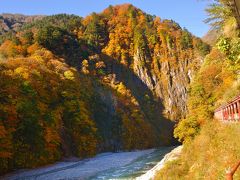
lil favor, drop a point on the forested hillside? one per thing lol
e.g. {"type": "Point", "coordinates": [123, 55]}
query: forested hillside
{"type": "Point", "coordinates": [210, 146]}
{"type": "Point", "coordinates": [77, 86]}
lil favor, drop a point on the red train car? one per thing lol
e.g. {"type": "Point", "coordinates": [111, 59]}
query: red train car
{"type": "Point", "coordinates": [229, 111]}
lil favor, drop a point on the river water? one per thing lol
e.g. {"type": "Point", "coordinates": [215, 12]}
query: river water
{"type": "Point", "coordinates": [105, 166]}
{"type": "Point", "coordinates": [134, 169]}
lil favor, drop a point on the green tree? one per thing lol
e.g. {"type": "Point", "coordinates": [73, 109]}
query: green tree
{"type": "Point", "coordinates": [186, 39]}
{"type": "Point", "coordinates": [95, 33]}
{"type": "Point", "coordinates": [50, 37]}
{"type": "Point", "coordinates": [222, 13]}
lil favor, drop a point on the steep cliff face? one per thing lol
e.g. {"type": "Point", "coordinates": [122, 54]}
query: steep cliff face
{"type": "Point", "coordinates": [127, 99]}
{"type": "Point", "coordinates": [164, 56]}
{"type": "Point", "coordinates": [168, 82]}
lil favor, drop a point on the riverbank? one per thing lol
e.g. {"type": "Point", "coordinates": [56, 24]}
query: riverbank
{"type": "Point", "coordinates": [124, 165]}
{"type": "Point", "coordinates": [174, 154]}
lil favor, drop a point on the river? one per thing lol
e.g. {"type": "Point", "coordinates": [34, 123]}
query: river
{"type": "Point", "coordinates": [105, 166]}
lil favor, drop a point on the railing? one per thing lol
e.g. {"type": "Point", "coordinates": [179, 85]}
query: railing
{"type": "Point", "coordinates": [229, 111]}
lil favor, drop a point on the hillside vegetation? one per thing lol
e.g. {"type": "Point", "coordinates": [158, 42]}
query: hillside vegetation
{"type": "Point", "coordinates": [210, 147]}
{"type": "Point", "coordinates": [208, 156]}
{"type": "Point", "coordinates": [77, 86]}
{"type": "Point", "coordinates": [12, 22]}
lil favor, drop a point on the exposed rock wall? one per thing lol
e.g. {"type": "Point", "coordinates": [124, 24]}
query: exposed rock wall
{"type": "Point", "coordinates": [168, 83]}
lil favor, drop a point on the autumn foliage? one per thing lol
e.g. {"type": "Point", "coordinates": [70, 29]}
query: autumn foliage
{"type": "Point", "coordinates": [59, 92]}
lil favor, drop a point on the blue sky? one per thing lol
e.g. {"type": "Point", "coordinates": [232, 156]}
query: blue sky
{"type": "Point", "coordinates": [188, 13]}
